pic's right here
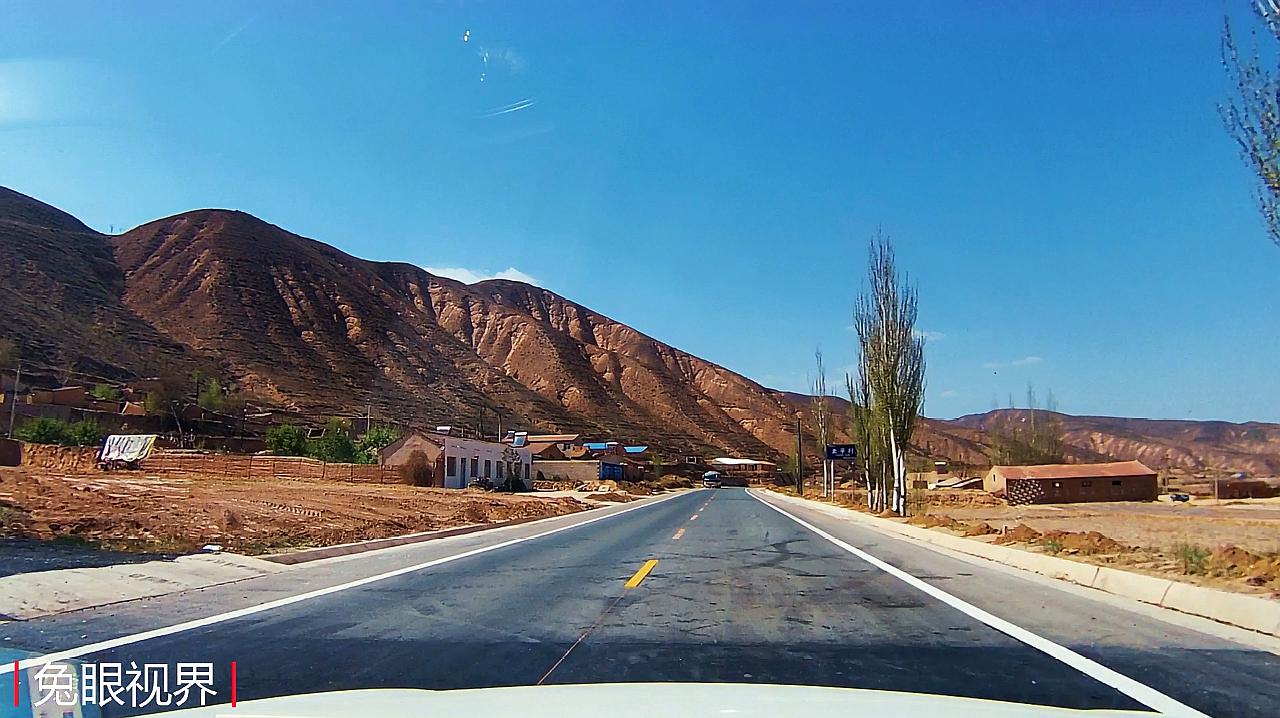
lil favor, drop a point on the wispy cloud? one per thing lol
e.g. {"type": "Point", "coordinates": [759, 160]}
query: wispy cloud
{"type": "Point", "coordinates": [1024, 361]}
{"type": "Point", "coordinates": [471, 276]}
{"type": "Point", "coordinates": [524, 104]}
{"type": "Point", "coordinates": [927, 335]}
{"type": "Point", "coordinates": [232, 35]}
{"type": "Point", "coordinates": [949, 394]}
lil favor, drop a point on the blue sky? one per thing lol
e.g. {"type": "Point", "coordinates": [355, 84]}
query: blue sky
{"type": "Point", "coordinates": [1054, 175]}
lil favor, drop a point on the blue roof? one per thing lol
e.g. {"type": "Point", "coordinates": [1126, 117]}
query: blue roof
{"type": "Point", "coordinates": [635, 449]}
{"type": "Point", "coordinates": [596, 445]}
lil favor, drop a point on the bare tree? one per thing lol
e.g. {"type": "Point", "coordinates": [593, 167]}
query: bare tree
{"type": "Point", "coordinates": [887, 392]}
{"type": "Point", "coordinates": [821, 406]}
{"type": "Point", "coordinates": [1252, 114]}
{"type": "Point", "coordinates": [821, 410]}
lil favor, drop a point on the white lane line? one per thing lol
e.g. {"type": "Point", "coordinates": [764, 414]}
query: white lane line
{"type": "Point", "coordinates": [288, 600]}
{"type": "Point", "coordinates": [1140, 692]}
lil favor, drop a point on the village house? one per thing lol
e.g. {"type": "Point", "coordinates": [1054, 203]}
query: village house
{"type": "Point", "coordinates": [76, 397]}
{"type": "Point", "coordinates": [743, 470]}
{"type": "Point", "coordinates": [457, 460]}
{"type": "Point", "coordinates": [563, 442]}
{"type": "Point", "coordinates": [1073, 483]}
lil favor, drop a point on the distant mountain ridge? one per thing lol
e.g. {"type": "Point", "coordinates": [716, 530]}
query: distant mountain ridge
{"type": "Point", "coordinates": [309, 327]}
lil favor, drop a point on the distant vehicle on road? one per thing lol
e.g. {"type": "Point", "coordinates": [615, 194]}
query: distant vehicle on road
{"type": "Point", "coordinates": [1179, 497]}
{"type": "Point", "coordinates": [711, 480]}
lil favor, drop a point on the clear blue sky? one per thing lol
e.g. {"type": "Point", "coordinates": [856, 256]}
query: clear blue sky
{"type": "Point", "coordinates": [1054, 174]}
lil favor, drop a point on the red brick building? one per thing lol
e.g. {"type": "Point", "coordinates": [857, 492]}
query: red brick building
{"type": "Point", "coordinates": [1073, 483]}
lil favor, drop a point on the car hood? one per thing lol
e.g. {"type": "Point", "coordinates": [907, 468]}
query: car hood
{"type": "Point", "coordinates": [634, 700]}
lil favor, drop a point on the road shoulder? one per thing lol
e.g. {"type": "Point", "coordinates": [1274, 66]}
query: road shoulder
{"type": "Point", "coordinates": [1179, 603]}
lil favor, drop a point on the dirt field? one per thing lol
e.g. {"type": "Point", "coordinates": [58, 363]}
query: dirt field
{"type": "Point", "coordinates": [1232, 545]}
{"type": "Point", "coordinates": [139, 511]}
{"type": "Point", "coordinates": [1251, 524]}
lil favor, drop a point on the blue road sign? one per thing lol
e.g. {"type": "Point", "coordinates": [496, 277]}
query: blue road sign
{"type": "Point", "coordinates": [842, 452]}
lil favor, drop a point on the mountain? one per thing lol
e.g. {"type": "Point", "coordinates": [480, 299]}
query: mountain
{"type": "Point", "coordinates": [302, 325]}
{"type": "Point", "coordinates": [308, 327]}
{"type": "Point", "coordinates": [1211, 446]}
{"type": "Point", "coordinates": [1253, 447]}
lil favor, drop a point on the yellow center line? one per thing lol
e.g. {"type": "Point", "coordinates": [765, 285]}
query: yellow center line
{"type": "Point", "coordinates": [679, 533]}
{"type": "Point", "coordinates": [639, 575]}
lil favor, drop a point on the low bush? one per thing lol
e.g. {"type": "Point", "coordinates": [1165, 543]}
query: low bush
{"type": "Point", "coordinates": [1191, 556]}
{"type": "Point", "coordinates": [417, 471]}
{"type": "Point", "coordinates": [84, 433]}
{"type": "Point", "coordinates": [287, 440]}
{"type": "Point", "coordinates": [42, 431]}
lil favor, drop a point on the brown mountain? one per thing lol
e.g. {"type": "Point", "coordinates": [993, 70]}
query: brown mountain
{"type": "Point", "coordinates": [1213, 446]}
{"type": "Point", "coordinates": [306, 326]}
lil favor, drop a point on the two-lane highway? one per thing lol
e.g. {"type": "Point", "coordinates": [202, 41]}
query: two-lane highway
{"type": "Point", "coordinates": [708, 586]}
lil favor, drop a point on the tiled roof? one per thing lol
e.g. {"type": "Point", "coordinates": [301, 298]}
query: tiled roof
{"type": "Point", "coordinates": [1074, 471]}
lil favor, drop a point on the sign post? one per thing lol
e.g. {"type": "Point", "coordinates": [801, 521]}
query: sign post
{"type": "Point", "coordinates": [834, 453]}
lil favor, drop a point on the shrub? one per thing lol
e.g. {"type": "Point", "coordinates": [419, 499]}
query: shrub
{"type": "Point", "coordinates": [84, 433]}
{"type": "Point", "coordinates": [513, 485]}
{"type": "Point", "coordinates": [1053, 545]}
{"type": "Point", "coordinates": [418, 471]}
{"type": "Point", "coordinates": [1191, 556]}
{"type": "Point", "coordinates": [373, 441]}
{"type": "Point", "coordinates": [42, 430]}
{"type": "Point", "coordinates": [106, 392]}
{"type": "Point", "coordinates": [287, 440]}
{"type": "Point", "coordinates": [335, 446]}
{"type": "Point", "coordinates": [212, 397]}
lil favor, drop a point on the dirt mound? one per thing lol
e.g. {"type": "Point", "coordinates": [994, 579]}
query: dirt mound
{"type": "Point", "coordinates": [613, 496]}
{"type": "Point", "coordinates": [981, 529]}
{"type": "Point", "coordinates": [930, 521]}
{"type": "Point", "coordinates": [1233, 558]}
{"type": "Point", "coordinates": [1083, 542]}
{"type": "Point", "coordinates": [1235, 561]}
{"type": "Point", "coordinates": [1021, 533]}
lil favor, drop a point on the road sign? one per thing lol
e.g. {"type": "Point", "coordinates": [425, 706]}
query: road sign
{"type": "Point", "coordinates": [842, 452]}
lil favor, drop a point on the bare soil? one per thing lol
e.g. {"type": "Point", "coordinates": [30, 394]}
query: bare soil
{"type": "Point", "coordinates": [149, 512]}
{"type": "Point", "coordinates": [1232, 546]}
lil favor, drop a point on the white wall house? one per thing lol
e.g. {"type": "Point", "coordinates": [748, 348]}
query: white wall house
{"type": "Point", "coordinates": [467, 459]}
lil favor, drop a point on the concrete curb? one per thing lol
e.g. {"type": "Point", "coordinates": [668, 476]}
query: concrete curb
{"type": "Point", "coordinates": [1237, 609]}
{"type": "Point", "coordinates": [346, 549]}
{"type": "Point", "coordinates": [44, 593]}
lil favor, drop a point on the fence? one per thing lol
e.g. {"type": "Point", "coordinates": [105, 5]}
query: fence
{"type": "Point", "coordinates": [255, 467]}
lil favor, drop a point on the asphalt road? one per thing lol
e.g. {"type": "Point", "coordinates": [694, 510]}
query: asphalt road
{"type": "Point", "coordinates": [739, 593]}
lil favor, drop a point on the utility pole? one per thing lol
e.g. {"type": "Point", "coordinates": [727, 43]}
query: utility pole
{"type": "Point", "coordinates": [799, 459]}
{"type": "Point", "coordinates": [13, 408]}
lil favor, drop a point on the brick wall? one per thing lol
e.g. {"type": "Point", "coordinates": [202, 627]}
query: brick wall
{"type": "Point", "coordinates": [256, 467]}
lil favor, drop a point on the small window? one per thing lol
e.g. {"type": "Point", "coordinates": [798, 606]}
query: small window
{"type": "Point", "coordinates": [452, 466]}
{"type": "Point", "coordinates": [475, 466]}
{"type": "Point", "coordinates": [1117, 482]}
{"type": "Point", "coordinates": [499, 469]}
{"type": "Point", "coordinates": [488, 468]}
{"type": "Point", "coordinates": [526, 473]}
{"type": "Point", "coordinates": [1086, 484]}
